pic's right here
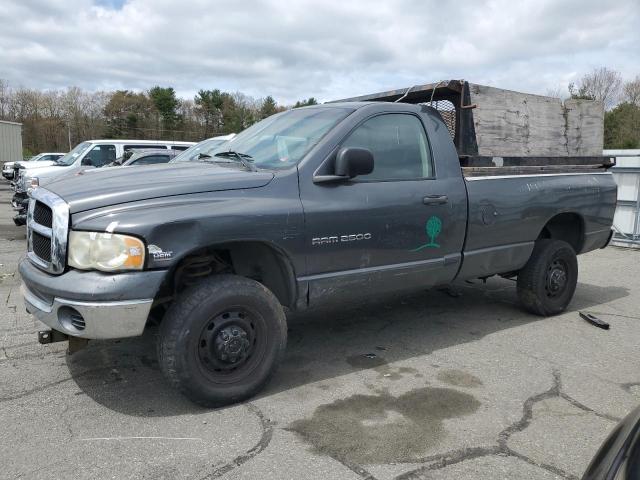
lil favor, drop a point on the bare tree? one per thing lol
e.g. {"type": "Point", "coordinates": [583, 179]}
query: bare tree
{"type": "Point", "coordinates": [556, 92]}
{"type": "Point", "coordinates": [601, 84]}
{"type": "Point", "coordinates": [5, 98]}
{"type": "Point", "coordinates": [631, 91]}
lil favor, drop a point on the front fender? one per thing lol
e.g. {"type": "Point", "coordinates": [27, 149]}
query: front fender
{"type": "Point", "coordinates": [173, 227]}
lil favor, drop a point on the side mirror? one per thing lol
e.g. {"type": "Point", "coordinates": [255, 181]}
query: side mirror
{"type": "Point", "coordinates": [351, 162]}
{"type": "Point", "coordinates": [86, 161]}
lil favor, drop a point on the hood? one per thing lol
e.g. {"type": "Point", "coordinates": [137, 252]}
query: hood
{"type": "Point", "coordinates": [43, 167]}
{"type": "Point", "coordinates": [127, 184]}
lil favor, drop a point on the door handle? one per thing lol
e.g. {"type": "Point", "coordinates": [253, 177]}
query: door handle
{"type": "Point", "coordinates": [435, 199]}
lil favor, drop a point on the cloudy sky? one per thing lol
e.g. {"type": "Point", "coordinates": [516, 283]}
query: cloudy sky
{"type": "Point", "coordinates": [325, 48]}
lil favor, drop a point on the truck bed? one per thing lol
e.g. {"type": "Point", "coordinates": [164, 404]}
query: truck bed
{"type": "Point", "coordinates": [510, 205]}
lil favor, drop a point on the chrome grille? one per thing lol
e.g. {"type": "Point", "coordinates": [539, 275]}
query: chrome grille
{"type": "Point", "coordinates": [41, 246]}
{"type": "Point", "coordinates": [47, 230]}
{"type": "Point", "coordinates": [43, 215]}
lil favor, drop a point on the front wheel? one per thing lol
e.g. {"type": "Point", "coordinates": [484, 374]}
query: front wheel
{"type": "Point", "coordinates": [547, 282]}
{"type": "Point", "coordinates": [222, 339]}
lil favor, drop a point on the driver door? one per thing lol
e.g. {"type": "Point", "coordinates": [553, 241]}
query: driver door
{"type": "Point", "coordinates": [393, 229]}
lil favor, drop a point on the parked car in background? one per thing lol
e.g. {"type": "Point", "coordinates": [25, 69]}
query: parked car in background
{"type": "Point", "coordinates": [144, 157]}
{"type": "Point", "coordinates": [43, 159]}
{"type": "Point", "coordinates": [86, 155]}
{"type": "Point", "coordinates": [139, 157]}
{"type": "Point", "coordinates": [202, 148]}
{"type": "Point", "coordinates": [131, 158]}
{"type": "Point", "coordinates": [150, 157]}
{"type": "Point", "coordinates": [89, 154]}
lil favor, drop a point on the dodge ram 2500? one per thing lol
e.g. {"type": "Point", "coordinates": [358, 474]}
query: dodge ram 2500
{"type": "Point", "coordinates": [310, 206]}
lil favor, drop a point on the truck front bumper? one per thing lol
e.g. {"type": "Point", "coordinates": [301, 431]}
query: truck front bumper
{"type": "Point", "coordinates": [21, 212]}
{"type": "Point", "coordinates": [17, 199]}
{"type": "Point", "coordinates": [90, 305]}
{"type": "Point", "coordinates": [20, 219]}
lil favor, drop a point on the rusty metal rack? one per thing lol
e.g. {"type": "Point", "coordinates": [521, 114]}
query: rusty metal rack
{"type": "Point", "coordinates": [474, 124]}
{"type": "Point", "coordinates": [451, 98]}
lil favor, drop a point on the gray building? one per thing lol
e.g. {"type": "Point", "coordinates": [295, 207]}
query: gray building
{"type": "Point", "coordinates": [10, 141]}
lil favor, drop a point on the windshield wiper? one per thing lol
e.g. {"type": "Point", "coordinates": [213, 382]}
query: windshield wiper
{"type": "Point", "coordinates": [243, 158]}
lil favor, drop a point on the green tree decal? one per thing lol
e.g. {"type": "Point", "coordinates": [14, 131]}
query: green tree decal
{"type": "Point", "coordinates": [434, 227]}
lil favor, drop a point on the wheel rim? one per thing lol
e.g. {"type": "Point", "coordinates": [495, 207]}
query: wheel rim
{"type": "Point", "coordinates": [230, 345]}
{"type": "Point", "coordinates": [557, 278]}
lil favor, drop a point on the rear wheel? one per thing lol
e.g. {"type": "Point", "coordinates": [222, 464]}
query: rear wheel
{"type": "Point", "coordinates": [547, 282]}
{"type": "Point", "coordinates": [222, 340]}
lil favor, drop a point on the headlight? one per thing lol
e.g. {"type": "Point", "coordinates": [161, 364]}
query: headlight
{"type": "Point", "coordinates": [108, 252]}
{"type": "Point", "coordinates": [30, 184]}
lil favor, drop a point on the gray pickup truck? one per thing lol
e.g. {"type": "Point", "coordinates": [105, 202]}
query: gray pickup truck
{"type": "Point", "coordinates": [308, 207]}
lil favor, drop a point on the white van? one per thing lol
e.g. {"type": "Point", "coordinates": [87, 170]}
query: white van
{"type": "Point", "coordinates": [92, 153]}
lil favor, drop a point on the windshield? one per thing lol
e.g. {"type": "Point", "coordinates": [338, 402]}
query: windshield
{"type": "Point", "coordinates": [36, 158]}
{"type": "Point", "coordinates": [71, 157]}
{"type": "Point", "coordinates": [282, 140]}
{"type": "Point", "coordinates": [204, 147]}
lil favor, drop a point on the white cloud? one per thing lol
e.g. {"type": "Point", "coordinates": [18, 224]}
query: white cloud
{"type": "Point", "coordinates": [327, 49]}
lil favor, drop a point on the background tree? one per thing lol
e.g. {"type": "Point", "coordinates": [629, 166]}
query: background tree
{"type": "Point", "coordinates": [556, 92]}
{"type": "Point", "coordinates": [601, 84]}
{"type": "Point", "coordinates": [166, 103]}
{"type": "Point", "coordinates": [622, 126]}
{"type": "Point", "coordinates": [631, 91]}
{"type": "Point", "coordinates": [129, 115]}
{"type": "Point", "coordinates": [5, 96]}
{"type": "Point", "coordinates": [190, 122]}
{"type": "Point", "coordinates": [305, 103]}
{"type": "Point", "coordinates": [268, 107]}
{"type": "Point", "coordinates": [209, 105]}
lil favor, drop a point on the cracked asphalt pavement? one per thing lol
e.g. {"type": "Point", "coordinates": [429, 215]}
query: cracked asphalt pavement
{"type": "Point", "coordinates": [429, 386]}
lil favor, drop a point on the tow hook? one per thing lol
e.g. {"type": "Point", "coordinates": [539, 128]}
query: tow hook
{"type": "Point", "coordinates": [53, 336]}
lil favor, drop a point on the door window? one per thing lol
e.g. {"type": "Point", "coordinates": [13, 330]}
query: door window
{"type": "Point", "coordinates": [399, 146]}
{"type": "Point", "coordinates": [100, 155]}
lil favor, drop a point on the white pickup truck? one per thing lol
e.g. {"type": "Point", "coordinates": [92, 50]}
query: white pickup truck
{"type": "Point", "coordinates": [89, 154]}
{"type": "Point", "coordinates": [44, 160]}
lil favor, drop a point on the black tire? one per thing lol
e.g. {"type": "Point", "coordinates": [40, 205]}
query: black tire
{"type": "Point", "coordinates": [222, 340]}
{"type": "Point", "coordinates": [547, 282]}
